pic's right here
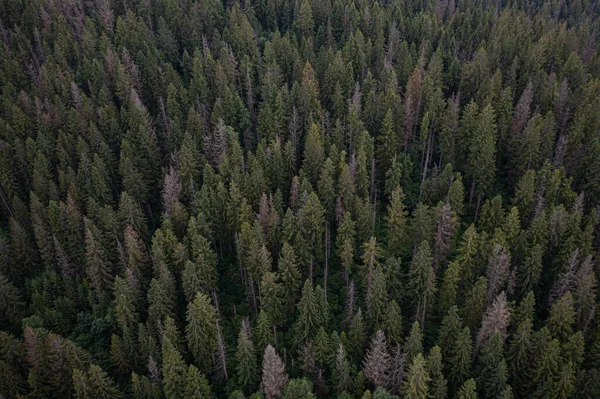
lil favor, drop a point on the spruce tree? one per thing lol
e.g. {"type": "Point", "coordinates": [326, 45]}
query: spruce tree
{"type": "Point", "coordinates": [422, 281]}
{"type": "Point", "coordinates": [245, 356]}
{"type": "Point", "coordinates": [417, 381]}
{"type": "Point", "coordinates": [274, 377]}
{"type": "Point", "coordinates": [201, 329]}
{"type": "Point", "coordinates": [377, 362]}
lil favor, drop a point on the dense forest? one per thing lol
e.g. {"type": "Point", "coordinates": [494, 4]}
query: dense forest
{"type": "Point", "coordinates": [292, 199]}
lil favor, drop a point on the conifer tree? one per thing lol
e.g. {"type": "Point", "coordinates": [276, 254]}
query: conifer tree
{"type": "Point", "coordinates": [449, 331]}
{"type": "Point", "coordinates": [288, 274]}
{"type": "Point", "coordinates": [274, 377]}
{"type": "Point", "coordinates": [460, 355]}
{"type": "Point", "coordinates": [495, 321]}
{"type": "Point", "coordinates": [173, 371]}
{"type": "Point", "coordinates": [562, 317]}
{"type": "Point", "coordinates": [94, 383]}
{"type": "Point", "coordinates": [310, 316]}
{"type": "Point", "coordinates": [468, 390]}
{"type": "Point", "coordinates": [345, 243]}
{"type": "Point", "coordinates": [201, 329]}
{"type": "Point", "coordinates": [422, 281]}
{"type": "Point", "coordinates": [343, 379]}
{"type": "Point", "coordinates": [98, 271]}
{"type": "Point", "coordinates": [439, 385]}
{"type": "Point", "coordinates": [196, 385]}
{"type": "Point", "coordinates": [377, 362]}
{"type": "Point", "coordinates": [417, 381]}
{"type": "Point", "coordinates": [298, 388]}
{"type": "Point", "coordinates": [246, 361]}
{"type": "Point", "coordinates": [392, 323]}
{"type": "Point", "coordinates": [493, 375]}
{"type": "Point", "coordinates": [263, 332]}
{"type": "Point", "coordinates": [396, 222]}
{"type": "Point", "coordinates": [414, 342]}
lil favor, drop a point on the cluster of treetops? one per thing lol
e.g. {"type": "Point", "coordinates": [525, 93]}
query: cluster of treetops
{"type": "Point", "coordinates": [299, 199]}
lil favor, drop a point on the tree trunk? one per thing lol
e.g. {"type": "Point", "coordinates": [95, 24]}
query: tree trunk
{"type": "Point", "coordinates": [253, 295]}
{"type": "Point", "coordinates": [326, 272]}
{"type": "Point", "coordinates": [471, 192]}
{"type": "Point", "coordinates": [477, 209]}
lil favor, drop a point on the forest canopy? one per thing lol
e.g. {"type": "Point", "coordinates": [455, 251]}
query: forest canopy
{"type": "Point", "coordinates": [281, 199]}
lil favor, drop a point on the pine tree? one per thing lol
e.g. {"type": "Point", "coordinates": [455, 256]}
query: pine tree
{"type": "Point", "coordinates": [298, 389]}
{"type": "Point", "coordinates": [161, 295]}
{"type": "Point", "coordinates": [200, 272]}
{"type": "Point", "coordinates": [345, 243]}
{"type": "Point", "coordinates": [474, 305]}
{"type": "Point", "coordinates": [449, 288]}
{"type": "Point", "coordinates": [377, 297]}
{"type": "Point", "coordinates": [388, 143]}
{"type": "Point", "coordinates": [498, 270]}
{"type": "Point", "coordinates": [377, 362]}
{"type": "Point", "coordinates": [11, 304]}
{"type": "Point", "coordinates": [357, 335]}
{"type": "Point", "coordinates": [522, 110]}
{"type": "Point", "coordinates": [439, 385]}
{"type": "Point", "coordinates": [417, 381]}
{"type": "Point", "coordinates": [493, 375]}
{"type": "Point", "coordinates": [414, 342]}
{"type": "Point", "coordinates": [310, 316]}
{"type": "Point", "coordinates": [481, 152]}
{"type": "Point", "coordinates": [263, 332]}
{"type": "Point", "coordinates": [314, 154]}
{"type": "Point", "coordinates": [326, 187]}
{"type": "Point", "coordinates": [422, 281]}
{"type": "Point", "coordinates": [274, 377]}
{"type": "Point", "coordinates": [173, 371]}
{"type": "Point", "coordinates": [98, 271]}
{"type": "Point", "coordinates": [287, 270]}
{"type": "Point", "coordinates": [519, 354]}
{"type": "Point", "coordinates": [201, 329]}
{"type": "Point", "coordinates": [196, 385]}
{"type": "Point", "coordinates": [392, 323]}
{"type": "Point", "coordinates": [468, 390]}
{"type": "Point", "coordinates": [94, 383]}
{"type": "Point", "coordinates": [446, 225]}
{"type": "Point", "coordinates": [495, 321]}
{"type": "Point", "coordinates": [562, 318]}
{"type": "Point", "coordinates": [343, 379]}
{"type": "Point", "coordinates": [449, 331]}
{"type": "Point", "coordinates": [459, 358]}
{"type": "Point", "coordinates": [272, 298]}
{"type": "Point", "coordinates": [247, 371]}
{"type": "Point", "coordinates": [310, 229]}
{"type": "Point", "coordinates": [396, 222]}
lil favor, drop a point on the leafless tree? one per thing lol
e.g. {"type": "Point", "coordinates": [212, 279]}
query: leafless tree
{"type": "Point", "coordinates": [522, 110]}
{"type": "Point", "coordinates": [274, 377]}
{"type": "Point", "coordinates": [497, 271]}
{"type": "Point", "coordinates": [495, 320]}
{"type": "Point", "coordinates": [378, 362]}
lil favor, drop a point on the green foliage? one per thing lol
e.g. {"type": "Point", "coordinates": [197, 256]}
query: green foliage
{"type": "Point", "coordinates": [365, 186]}
{"type": "Point", "coordinates": [201, 329]}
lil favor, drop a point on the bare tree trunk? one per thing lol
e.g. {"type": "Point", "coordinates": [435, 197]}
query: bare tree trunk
{"type": "Point", "coordinates": [326, 259]}
{"type": "Point", "coordinates": [477, 209]}
{"type": "Point", "coordinates": [472, 191]}
{"type": "Point", "coordinates": [149, 210]}
{"type": "Point", "coordinates": [426, 163]}
{"type": "Point", "coordinates": [253, 295]}
{"type": "Point", "coordinates": [346, 276]}
{"type": "Point", "coordinates": [6, 201]}
{"type": "Point", "coordinates": [373, 180]}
